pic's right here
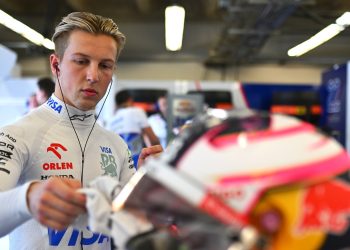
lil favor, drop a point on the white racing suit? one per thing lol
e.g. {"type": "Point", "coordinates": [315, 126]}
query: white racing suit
{"type": "Point", "coordinates": [43, 144]}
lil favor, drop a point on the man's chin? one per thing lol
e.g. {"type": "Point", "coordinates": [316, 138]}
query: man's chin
{"type": "Point", "coordinates": [87, 104]}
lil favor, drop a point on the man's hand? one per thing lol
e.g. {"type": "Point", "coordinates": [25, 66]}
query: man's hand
{"type": "Point", "coordinates": [145, 152]}
{"type": "Point", "coordinates": [56, 203]}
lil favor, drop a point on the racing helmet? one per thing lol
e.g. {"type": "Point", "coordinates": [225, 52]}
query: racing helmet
{"type": "Point", "coordinates": [243, 179]}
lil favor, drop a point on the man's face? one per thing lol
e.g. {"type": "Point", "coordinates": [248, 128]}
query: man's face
{"type": "Point", "coordinates": [86, 69]}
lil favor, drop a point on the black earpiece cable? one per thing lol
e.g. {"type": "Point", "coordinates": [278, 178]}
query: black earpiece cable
{"type": "Point", "coordinates": [82, 150]}
{"type": "Point", "coordinates": [75, 132]}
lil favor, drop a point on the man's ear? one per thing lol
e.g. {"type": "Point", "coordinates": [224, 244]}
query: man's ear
{"type": "Point", "coordinates": [55, 65]}
{"type": "Point", "coordinates": [54, 62]}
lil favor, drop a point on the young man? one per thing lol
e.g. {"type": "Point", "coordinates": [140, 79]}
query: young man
{"type": "Point", "coordinates": [131, 124]}
{"type": "Point", "coordinates": [49, 154]}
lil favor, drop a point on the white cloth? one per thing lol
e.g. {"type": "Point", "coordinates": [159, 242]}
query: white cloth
{"type": "Point", "coordinates": [43, 144]}
{"type": "Point", "coordinates": [121, 225]}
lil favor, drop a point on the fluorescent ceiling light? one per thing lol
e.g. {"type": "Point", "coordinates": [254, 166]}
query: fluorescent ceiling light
{"type": "Point", "coordinates": [321, 37]}
{"type": "Point", "coordinates": [174, 27]}
{"type": "Point", "coordinates": [344, 20]}
{"type": "Point", "coordinates": [25, 31]}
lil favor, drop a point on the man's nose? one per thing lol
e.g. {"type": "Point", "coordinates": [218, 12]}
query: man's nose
{"type": "Point", "coordinates": [92, 74]}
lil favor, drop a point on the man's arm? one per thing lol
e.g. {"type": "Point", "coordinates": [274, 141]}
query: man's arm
{"type": "Point", "coordinates": [54, 203]}
{"type": "Point", "coordinates": [150, 137]}
{"type": "Point", "coordinates": [13, 209]}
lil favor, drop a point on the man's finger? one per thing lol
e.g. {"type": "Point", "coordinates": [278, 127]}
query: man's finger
{"type": "Point", "coordinates": [146, 152]}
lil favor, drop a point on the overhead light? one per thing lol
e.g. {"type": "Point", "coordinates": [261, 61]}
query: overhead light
{"type": "Point", "coordinates": [174, 27]}
{"type": "Point", "coordinates": [344, 20]}
{"type": "Point", "coordinates": [25, 31]}
{"type": "Point", "coordinates": [321, 37]}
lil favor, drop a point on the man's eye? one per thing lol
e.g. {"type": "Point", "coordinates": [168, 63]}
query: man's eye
{"type": "Point", "coordinates": [107, 66]}
{"type": "Point", "coordinates": [80, 61]}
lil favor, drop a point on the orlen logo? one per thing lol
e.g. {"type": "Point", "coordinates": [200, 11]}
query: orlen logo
{"type": "Point", "coordinates": [54, 105]}
{"type": "Point", "coordinates": [57, 149]}
{"type": "Point", "coordinates": [54, 147]}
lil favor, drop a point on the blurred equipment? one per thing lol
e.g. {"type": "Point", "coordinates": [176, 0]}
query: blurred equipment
{"type": "Point", "coordinates": [181, 110]}
{"type": "Point", "coordinates": [335, 95]}
{"type": "Point", "coordinates": [306, 105]}
{"type": "Point", "coordinates": [300, 100]}
{"type": "Point", "coordinates": [243, 180]}
{"type": "Point", "coordinates": [219, 99]}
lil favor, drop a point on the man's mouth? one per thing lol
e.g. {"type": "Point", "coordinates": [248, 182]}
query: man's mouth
{"type": "Point", "coordinates": [90, 92]}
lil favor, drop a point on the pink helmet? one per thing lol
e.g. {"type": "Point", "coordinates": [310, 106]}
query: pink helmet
{"type": "Point", "coordinates": [243, 180]}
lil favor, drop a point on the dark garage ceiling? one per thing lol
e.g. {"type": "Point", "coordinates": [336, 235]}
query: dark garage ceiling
{"type": "Point", "coordinates": [217, 32]}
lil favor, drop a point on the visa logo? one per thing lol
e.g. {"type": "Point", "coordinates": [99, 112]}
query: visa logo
{"type": "Point", "coordinates": [54, 105]}
{"type": "Point", "coordinates": [106, 150]}
{"type": "Point", "coordinates": [55, 238]}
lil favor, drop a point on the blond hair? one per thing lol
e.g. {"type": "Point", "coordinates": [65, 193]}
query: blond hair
{"type": "Point", "coordinates": [87, 22]}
